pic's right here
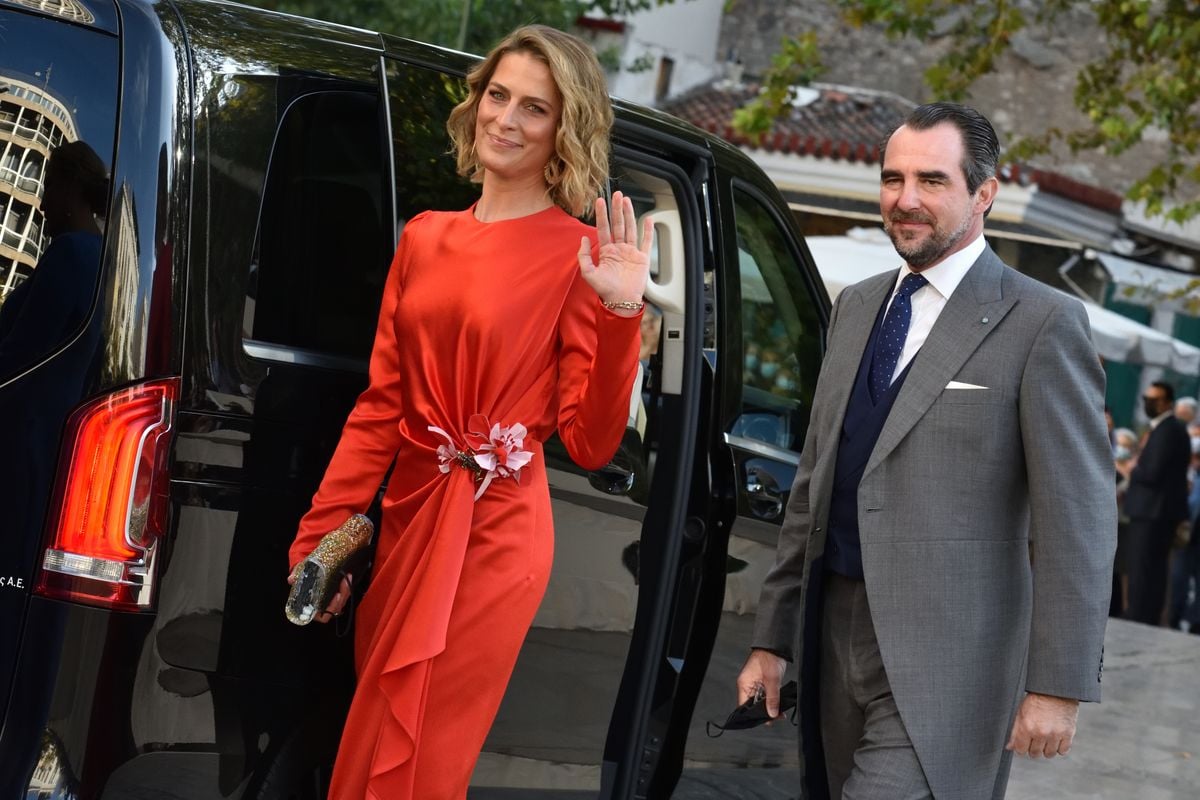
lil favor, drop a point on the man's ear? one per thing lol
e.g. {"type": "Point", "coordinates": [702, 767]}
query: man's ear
{"type": "Point", "coordinates": [985, 195]}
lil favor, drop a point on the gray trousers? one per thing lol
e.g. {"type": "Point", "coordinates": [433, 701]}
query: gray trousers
{"type": "Point", "coordinates": [868, 755]}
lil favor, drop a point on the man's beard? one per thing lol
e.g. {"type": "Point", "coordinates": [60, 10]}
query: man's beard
{"type": "Point", "coordinates": [933, 248]}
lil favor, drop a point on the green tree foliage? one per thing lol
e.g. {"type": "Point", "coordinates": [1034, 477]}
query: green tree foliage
{"type": "Point", "coordinates": [1146, 79]}
{"type": "Point", "coordinates": [798, 63]}
{"type": "Point", "coordinates": [470, 25]}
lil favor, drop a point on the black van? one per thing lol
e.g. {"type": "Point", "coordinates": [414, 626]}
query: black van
{"type": "Point", "coordinates": [168, 406]}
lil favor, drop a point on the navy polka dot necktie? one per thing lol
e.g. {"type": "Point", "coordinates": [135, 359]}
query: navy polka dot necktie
{"type": "Point", "coordinates": [890, 343]}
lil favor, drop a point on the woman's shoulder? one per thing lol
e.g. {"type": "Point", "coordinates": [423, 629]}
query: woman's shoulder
{"type": "Point", "coordinates": [426, 227]}
{"type": "Point", "coordinates": [424, 219]}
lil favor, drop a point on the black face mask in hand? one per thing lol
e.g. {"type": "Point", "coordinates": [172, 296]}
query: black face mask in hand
{"type": "Point", "coordinates": [753, 712]}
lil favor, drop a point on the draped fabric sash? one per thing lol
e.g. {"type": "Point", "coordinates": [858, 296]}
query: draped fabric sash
{"type": "Point", "coordinates": [403, 621]}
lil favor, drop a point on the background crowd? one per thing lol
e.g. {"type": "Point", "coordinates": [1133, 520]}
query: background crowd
{"type": "Point", "coordinates": [1156, 578]}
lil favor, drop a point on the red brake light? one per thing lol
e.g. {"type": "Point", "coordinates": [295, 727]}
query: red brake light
{"type": "Point", "coordinates": [110, 508]}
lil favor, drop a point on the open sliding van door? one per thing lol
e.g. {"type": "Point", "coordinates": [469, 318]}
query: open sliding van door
{"type": "Point", "coordinates": [773, 313]}
{"type": "Point", "coordinates": [581, 717]}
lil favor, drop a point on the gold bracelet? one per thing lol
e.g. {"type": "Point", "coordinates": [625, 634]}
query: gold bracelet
{"type": "Point", "coordinates": [629, 305]}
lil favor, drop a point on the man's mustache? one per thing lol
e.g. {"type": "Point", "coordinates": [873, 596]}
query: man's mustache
{"type": "Point", "coordinates": [910, 216]}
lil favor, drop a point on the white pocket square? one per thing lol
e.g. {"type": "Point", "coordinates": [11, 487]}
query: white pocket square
{"type": "Point", "coordinates": [960, 385]}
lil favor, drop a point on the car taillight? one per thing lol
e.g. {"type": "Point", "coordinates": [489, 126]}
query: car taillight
{"type": "Point", "coordinates": [110, 507]}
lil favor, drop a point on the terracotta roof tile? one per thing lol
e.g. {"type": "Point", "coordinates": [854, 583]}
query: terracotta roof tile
{"type": "Point", "coordinates": [836, 125]}
{"type": "Point", "coordinates": [848, 125]}
{"type": "Point", "coordinates": [1094, 196]}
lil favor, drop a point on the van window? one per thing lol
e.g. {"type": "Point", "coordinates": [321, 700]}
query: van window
{"type": "Point", "coordinates": [323, 245]}
{"type": "Point", "coordinates": [58, 89]}
{"type": "Point", "coordinates": [781, 332]}
{"type": "Point", "coordinates": [419, 102]}
{"type": "Point", "coordinates": [781, 347]}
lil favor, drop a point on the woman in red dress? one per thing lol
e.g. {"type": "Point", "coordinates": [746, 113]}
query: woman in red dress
{"type": "Point", "coordinates": [500, 325]}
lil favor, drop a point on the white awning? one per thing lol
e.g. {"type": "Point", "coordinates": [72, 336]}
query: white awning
{"type": "Point", "coordinates": [1148, 285]}
{"type": "Point", "coordinates": [1182, 234]}
{"type": "Point", "coordinates": [844, 260]}
{"type": "Point", "coordinates": [1119, 338]}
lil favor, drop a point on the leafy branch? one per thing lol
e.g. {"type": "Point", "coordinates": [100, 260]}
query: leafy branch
{"type": "Point", "coordinates": [1145, 81]}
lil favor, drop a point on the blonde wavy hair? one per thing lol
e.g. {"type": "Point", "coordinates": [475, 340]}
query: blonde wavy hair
{"type": "Point", "coordinates": [579, 165]}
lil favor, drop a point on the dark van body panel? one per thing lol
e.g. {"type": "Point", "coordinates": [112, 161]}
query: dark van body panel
{"type": "Point", "coordinates": [210, 692]}
{"type": "Point", "coordinates": [60, 681]}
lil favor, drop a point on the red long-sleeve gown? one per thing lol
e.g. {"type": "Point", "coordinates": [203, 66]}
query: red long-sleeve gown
{"type": "Point", "coordinates": [477, 318]}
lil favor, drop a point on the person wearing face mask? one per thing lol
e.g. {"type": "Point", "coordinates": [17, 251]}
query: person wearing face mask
{"type": "Point", "coordinates": [1185, 410]}
{"type": "Point", "coordinates": [1155, 502]}
{"type": "Point", "coordinates": [1193, 429]}
{"type": "Point", "coordinates": [1125, 448]}
{"type": "Point", "coordinates": [751, 364]}
{"type": "Point", "coordinates": [1183, 612]}
{"type": "Point", "coordinates": [769, 367]}
{"type": "Point", "coordinates": [1125, 451]}
{"type": "Point", "coordinates": [785, 382]}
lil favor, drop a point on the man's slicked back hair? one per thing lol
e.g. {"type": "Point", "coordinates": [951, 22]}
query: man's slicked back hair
{"type": "Point", "coordinates": [981, 147]}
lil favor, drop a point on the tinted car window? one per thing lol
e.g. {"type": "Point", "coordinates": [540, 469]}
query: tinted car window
{"type": "Point", "coordinates": [420, 101]}
{"type": "Point", "coordinates": [781, 333]}
{"type": "Point", "coordinates": [780, 351]}
{"type": "Point", "coordinates": [323, 246]}
{"type": "Point", "coordinates": [58, 86]}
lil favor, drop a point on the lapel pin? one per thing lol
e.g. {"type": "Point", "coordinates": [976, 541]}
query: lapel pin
{"type": "Point", "coordinates": [984, 320]}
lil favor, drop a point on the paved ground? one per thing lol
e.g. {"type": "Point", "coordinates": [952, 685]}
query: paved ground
{"type": "Point", "coordinates": [1141, 743]}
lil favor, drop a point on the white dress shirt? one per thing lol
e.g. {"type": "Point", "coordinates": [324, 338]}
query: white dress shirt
{"type": "Point", "coordinates": [1155, 422]}
{"type": "Point", "coordinates": [929, 300]}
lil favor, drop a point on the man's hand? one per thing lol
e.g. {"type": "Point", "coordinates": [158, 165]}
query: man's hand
{"type": "Point", "coordinates": [1045, 726]}
{"type": "Point", "coordinates": [762, 669]}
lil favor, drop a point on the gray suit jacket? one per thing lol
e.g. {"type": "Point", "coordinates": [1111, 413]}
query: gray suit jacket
{"type": "Point", "coordinates": [965, 488]}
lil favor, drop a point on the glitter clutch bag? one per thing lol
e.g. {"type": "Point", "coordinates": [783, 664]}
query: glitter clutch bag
{"type": "Point", "coordinates": [341, 551]}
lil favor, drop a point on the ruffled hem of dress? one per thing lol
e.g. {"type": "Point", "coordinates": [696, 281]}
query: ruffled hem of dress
{"type": "Point", "coordinates": [398, 656]}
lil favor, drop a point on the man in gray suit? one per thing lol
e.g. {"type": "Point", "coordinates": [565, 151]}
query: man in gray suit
{"type": "Point", "coordinates": [943, 571]}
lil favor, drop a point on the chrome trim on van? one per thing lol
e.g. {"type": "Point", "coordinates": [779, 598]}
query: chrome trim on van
{"type": "Point", "coordinates": [302, 357]}
{"type": "Point", "coordinates": [763, 449]}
